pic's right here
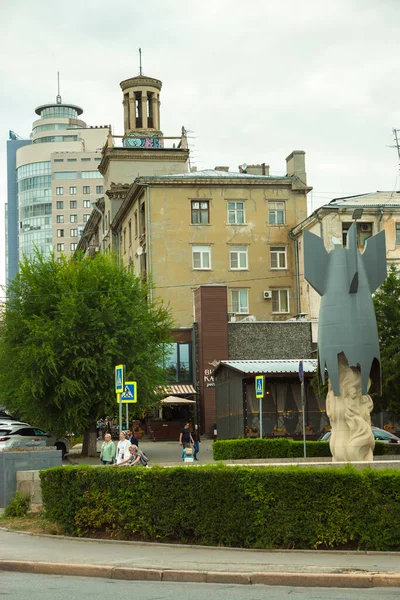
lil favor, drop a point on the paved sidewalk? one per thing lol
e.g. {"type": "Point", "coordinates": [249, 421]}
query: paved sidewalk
{"type": "Point", "coordinates": [162, 453]}
{"type": "Point", "coordinates": [132, 560]}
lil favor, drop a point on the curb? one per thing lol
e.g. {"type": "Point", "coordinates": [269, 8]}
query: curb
{"type": "Point", "coordinates": [198, 546]}
{"type": "Point", "coordinates": [336, 580]}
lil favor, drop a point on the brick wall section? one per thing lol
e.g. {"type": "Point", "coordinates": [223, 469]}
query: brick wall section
{"type": "Point", "coordinates": [269, 340]}
{"type": "Point", "coordinates": [212, 328]}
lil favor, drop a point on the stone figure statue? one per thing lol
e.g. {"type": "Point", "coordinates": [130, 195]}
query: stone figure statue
{"type": "Point", "coordinates": [348, 344]}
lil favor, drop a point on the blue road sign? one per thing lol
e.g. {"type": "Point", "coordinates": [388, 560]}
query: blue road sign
{"type": "Point", "coordinates": [259, 386]}
{"type": "Point", "coordinates": [119, 379]}
{"type": "Point", "coordinates": [129, 394]}
{"type": "Point", "coordinates": [301, 371]}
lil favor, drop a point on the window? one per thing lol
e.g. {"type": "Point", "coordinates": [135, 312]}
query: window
{"type": "Point", "coordinates": [73, 218]}
{"type": "Point", "coordinates": [99, 189]}
{"type": "Point", "coordinates": [236, 213]}
{"type": "Point", "coordinates": [65, 175]}
{"type": "Point", "coordinates": [86, 204]}
{"type": "Point", "coordinates": [86, 189]}
{"type": "Point", "coordinates": [71, 159]}
{"type": "Point", "coordinates": [130, 233]}
{"type": "Point", "coordinates": [124, 239]}
{"type": "Point", "coordinates": [72, 190]}
{"type": "Point", "coordinates": [178, 361]}
{"type": "Point", "coordinates": [397, 234]}
{"type": "Point", "coordinates": [60, 247]}
{"type": "Point", "coordinates": [200, 212]}
{"type": "Point", "coordinates": [56, 159]}
{"type": "Point", "coordinates": [136, 224]}
{"type": "Point", "coordinates": [73, 204]}
{"type": "Point", "coordinates": [86, 218]}
{"type": "Point", "coordinates": [238, 257]}
{"type": "Point", "coordinates": [201, 257]}
{"type": "Point", "coordinates": [240, 301]}
{"type": "Point", "coordinates": [59, 191]}
{"type": "Point", "coordinates": [278, 257]}
{"type": "Point", "coordinates": [85, 159]}
{"type": "Point", "coordinates": [276, 213]}
{"type": "Point", "coordinates": [74, 232]}
{"type": "Point", "coordinates": [91, 174]}
{"type": "Point", "coordinates": [60, 218]}
{"type": "Point", "coordinates": [60, 204]}
{"type": "Point", "coordinates": [73, 246]}
{"type": "Point", "coordinates": [280, 301]}
{"type": "Point", "coordinates": [60, 232]}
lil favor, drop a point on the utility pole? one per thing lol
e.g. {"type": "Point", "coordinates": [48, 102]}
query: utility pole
{"type": "Point", "coordinates": [396, 140]}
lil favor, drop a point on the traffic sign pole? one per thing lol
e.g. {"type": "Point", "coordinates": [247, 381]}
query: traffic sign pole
{"type": "Point", "coordinates": [259, 386]}
{"type": "Point", "coordinates": [120, 411]}
{"type": "Point", "coordinates": [303, 406]}
{"type": "Point", "coordinates": [127, 415]}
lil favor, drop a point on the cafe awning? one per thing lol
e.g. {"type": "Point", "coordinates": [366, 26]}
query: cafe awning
{"type": "Point", "coordinates": [179, 389]}
{"type": "Point", "coordinates": [175, 400]}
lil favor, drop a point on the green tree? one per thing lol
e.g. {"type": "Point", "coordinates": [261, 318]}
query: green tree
{"type": "Point", "coordinates": [387, 309]}
{"type": "Point", "coordinates": [64, 327]}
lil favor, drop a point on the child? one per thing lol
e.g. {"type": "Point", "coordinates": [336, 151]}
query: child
{"type": "Point", "coordinates": [187, 453]}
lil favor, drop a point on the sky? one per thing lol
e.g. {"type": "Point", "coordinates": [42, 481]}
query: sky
{"type": "Point", "coordinates": [251, 81]}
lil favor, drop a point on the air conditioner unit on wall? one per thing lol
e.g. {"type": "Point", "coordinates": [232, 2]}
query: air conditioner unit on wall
{"type": "Point", "coordinates": [366, 227]}
{"type": "Point", "coordinates": [267, 295]}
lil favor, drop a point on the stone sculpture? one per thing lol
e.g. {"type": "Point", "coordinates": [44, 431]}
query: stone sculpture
{"type": "Point", "coordinates": [348, 344]}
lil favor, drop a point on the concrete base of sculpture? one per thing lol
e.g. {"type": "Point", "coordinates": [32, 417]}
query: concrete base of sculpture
{"type": "Point", "coordinates": [349, 414]}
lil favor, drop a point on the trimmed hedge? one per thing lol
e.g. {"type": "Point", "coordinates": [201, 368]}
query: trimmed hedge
{"type": "Point", "coordinates": [246, 448]}
{"type": "Point", "coordinates": [251, 507]}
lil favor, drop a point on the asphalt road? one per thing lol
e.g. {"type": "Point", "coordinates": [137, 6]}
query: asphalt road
{"type": "Point", "coordinates": [20, 586]}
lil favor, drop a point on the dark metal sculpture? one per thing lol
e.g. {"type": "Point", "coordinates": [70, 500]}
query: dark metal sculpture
{"type": "Point", "coordinates": [345, 279]}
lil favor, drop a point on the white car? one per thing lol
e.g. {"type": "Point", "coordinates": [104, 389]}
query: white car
{"type": "Point", "coordinates": [16, 434]}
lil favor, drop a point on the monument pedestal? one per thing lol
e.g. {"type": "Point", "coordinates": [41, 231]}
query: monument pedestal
{"type": "Point", "coordinates": [349, 414]}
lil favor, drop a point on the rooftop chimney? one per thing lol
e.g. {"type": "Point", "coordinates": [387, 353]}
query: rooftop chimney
{"type": "Point", "coordinates": [296, 165]}
{"type": "Point", "coordinates": [225, 169]}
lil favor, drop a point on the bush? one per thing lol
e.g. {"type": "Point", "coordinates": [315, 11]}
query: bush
{"type": "Point", "coordinates": [251, 507]}
{"type": "Point", "coordinates": [247, 448]}
{"type": "Point", "coordinates": [18, 506]}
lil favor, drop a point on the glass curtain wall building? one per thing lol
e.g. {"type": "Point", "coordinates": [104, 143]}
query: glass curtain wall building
{"type": "Point", "coordinates": [49, 195]}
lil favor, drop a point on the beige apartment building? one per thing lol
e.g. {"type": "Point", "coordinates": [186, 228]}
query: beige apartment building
{"type": "Point", "coordinates": [216, 227]}
{"type": "Point", "coordinates": [215, 244]}
{"type": "Point", "coordinates": [58, 179]}
{"type": "Point", "coordinates": [182, 229]}
{"type": "Point", "coordinates": [380, 211]}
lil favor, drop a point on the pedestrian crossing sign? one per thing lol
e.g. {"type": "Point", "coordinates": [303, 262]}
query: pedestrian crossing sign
{"type": "Point", "coordinates": [129, 394]}
{"type": "Point", "coordinates": [119, 379]}
{"type": "Point", "coordinates": [259, 382]}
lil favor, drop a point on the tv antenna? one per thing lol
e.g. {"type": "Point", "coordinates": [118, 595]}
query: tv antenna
{"type": "Point", "coordinates": [140, 61]}
{"type": "Point", "coordinates": [58, 97]}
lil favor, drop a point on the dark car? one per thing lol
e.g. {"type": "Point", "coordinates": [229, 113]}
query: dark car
{"type": "Point", "coordinates": [380, 435]}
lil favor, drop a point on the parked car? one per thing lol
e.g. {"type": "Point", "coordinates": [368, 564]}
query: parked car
{"type": "Point", "coordinates": [380, 435]}
{"type": "Point", "coordinates": [16, 434]}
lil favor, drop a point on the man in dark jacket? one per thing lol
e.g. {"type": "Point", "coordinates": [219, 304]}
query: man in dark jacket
{"type": "Point", "coordinates": [185, 437]}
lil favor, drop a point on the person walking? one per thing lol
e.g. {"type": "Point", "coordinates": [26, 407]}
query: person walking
{"type": "Point", "coordinates": [107, 452]}
{"type": "Point", "coordinates": [122, 448]}
{"type": "Point", "coordinates": [185, 437]}
{"type": "Point", "coordinates": [133, 439]}
{"type": "Point", "coordinates": [196, 442]}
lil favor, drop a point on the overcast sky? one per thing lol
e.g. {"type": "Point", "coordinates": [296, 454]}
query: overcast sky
{"type": "Point", "coordinates": [253, 80]}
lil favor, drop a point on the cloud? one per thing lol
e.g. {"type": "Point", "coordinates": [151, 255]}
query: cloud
{"type": "Point", "coordinates": [253, 80]}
